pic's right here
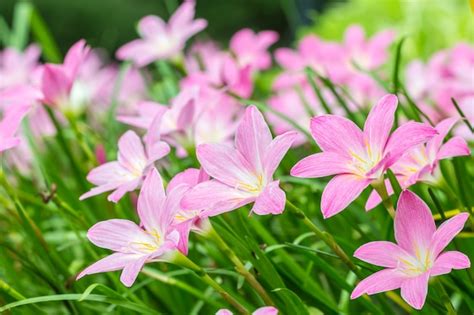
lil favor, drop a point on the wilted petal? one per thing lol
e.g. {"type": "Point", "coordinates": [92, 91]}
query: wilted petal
{"type": "Point", "coordinates": [446, 232]}
{"type": "Point", "coordinates": [340, 192]}
{"type": "Point", "coordinates": [271, 200]}
{"type": "Point", "coordinates": [337, 134]}
{"type": "Point", "coordinates": [380, 253]}
{"type": "Point", "coordinates": [381, 281]}
{"type": "Point", "coordinates": [415, 289]}
{"type": "Point", "coordinates": [320, 165]}
{"type": "Point", "coordinates": [448, 261]}
{"type": "Point", "coordinates": [414, 224]}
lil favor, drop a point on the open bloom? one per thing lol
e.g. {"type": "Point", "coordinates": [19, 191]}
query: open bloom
{"type": "Point", "coordinates": [416, 257]}
{"type": "Point", "coordinates": [160, 40]}
{"type": "Point", "coordinates": [357, 157]}
{"type": "Point", "coordinates": [10, 124]}
{"type": "Point", "coordinates": [421, 164]}
{"type": "Point", "coordinates": [265, 310]}
{"type": "Point", "coordinates": [134, 245]}
{"type": "Point", "coordinates": [133, 163]}
{"type": "Point", "coordinates": [252, 48]}
{"type": "Point", "coordinates": [243, 174]}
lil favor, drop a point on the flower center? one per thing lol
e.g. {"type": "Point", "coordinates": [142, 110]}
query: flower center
{"type": "Point", "coordinates": [255, 187]}
{"type": "Point", "coordinates": [418, 264]}
{"type": "Point", "coordinates": [149, 246]}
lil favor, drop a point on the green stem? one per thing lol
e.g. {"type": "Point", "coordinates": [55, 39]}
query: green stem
{"type": "Point", "coordinates": [325, 237]}
{"type": "Point", "coordinates": [445, 298]}
{"type": "Point", "coordinates": [240, 267]}
{"type": "Point", "coordinates": [80, 138]}
{"type": "Point", "coordinates": [185, 262]}
{"type": "Point", "coordinates": [379, 186]}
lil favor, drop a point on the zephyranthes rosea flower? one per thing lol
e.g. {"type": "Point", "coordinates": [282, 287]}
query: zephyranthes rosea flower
{"type": "Point", "coordinates": [417, 256]}
{"type": "Point", "coordinates": [133, 244]}
{"type": "Point", "coordinates": [357, 157]}
{"type": "Point", "coordinates": [243, 174]}
{"type": "Point", "coordinates": [160, 40]}
{"type": "Point", "coordinates": [421, 164]}
{"type": "Point", "coordinates": [133, 163]}
{"type": "Point", "coordinates": [251, 49]}
{"type": "Point", "coordinates": [9, 126]}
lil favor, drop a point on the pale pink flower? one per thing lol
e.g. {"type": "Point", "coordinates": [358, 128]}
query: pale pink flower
{"type": "Point", "coordinates": [416, 257]}
{"type": "Point", "coordinates": [160, 40]}
{"type": "Point", "coordinates": [357, 157]}
{"type": "Point", "coordinates": [133, 163]}
{"type": "Point", "coordinates": [10, 124]}
{"type": "Point", "coordinates": [265, 310]}
{"type": "Point", "coordinates": [18, 68]}
{"type": "Point", "coordinates": [421, 164]}
{"type": "Point", "coordinates": [251, 49]}
{"type": "Point", "coordinates": [58, 80]}
{"type": "Point", "coordinates": [243, 174]}
{"type": "Point", "coordinates": [134, 245]}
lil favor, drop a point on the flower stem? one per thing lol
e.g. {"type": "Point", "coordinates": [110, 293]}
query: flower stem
{"type": "Point", "coordinates": [379, 186]}
{"type": "Point", "coordinates": [445, 297]}
{"type": "Point", "coordinates": [240, 267]}
{"type": "Point", "coordinates": [185, 262]}
{"type": "Point", "coordinates": [325, 237]}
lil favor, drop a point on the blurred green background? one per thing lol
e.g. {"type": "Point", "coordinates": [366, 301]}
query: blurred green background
{"type": "Point", "coordinates": [429, 25]}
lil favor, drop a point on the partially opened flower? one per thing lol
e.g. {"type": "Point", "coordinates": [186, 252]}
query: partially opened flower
{"type": "Point", "coordinates": [133, 244]}
{"type": "Point", "coordinates": [160, 40]}
{"type": "Point", "coordinates": [417, 256]}
{"type": "Point", "coordinates": [251, 49]}
{"type": "Point", "coordinates": [356, 157]}
{"type": "Point", "coordinates": [421, 164]}
{"type": "Point", "coordinates": [133, 163]}
{"type": "Point", "coordinates": [243, 174]}
{"type": "Point", "coordinates": [10, 124]}
{"type": "Point", "coordinates": [58, 80]}
{"type": "Point", "coordinates": [265, 310]}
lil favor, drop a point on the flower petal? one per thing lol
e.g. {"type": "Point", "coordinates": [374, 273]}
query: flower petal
{"type": "Point", "coordinates": [116, 261]}
{"type": "Point", "coordinates": [433, 146]}
{"type": "Point", "coordinates": [271, 200]}
{"type": "Point", "coordinates": [151, 201]}
{"type": "Point", "coordinates": [415, 289]}
{"type": "Point", "coordinates": [320, 165]}
{"type": "Point", "coordinates": [340, 192]}
{"type": "Point", "coordinates": [406, 137]}
{"type": "Point", "coordinates": [151, 26]}
{"type": "Point", "coordinates": [123, 189]}
{"type": "Point", "coordinates": [455, 146]}
{"type": "Point", "coordinates": [117, 235]}
{"type": "Point", "coordinates": [446, 232]}
{"type": "Point", "coordinates": [110, 172]}
{"type": "Point", "coordinates": [414, 224]}
{"type": "Point", "coordinates": [55, 85]}
{"type": "Point", "coordinates": [225, 163]}
{"type": "Point", "coordinates": [275, 152]}
{"type": "Point", "coordinates": [131, 152]}
{"type": "Point", "coordinates": [337, 134]}
{"type": "Point", "coordinates": [253, 137]}
{"type": "Point", "coordinates": [131, 271]}
{"type": "Point", "coordinates": [448, 261]}
{"type": "Point", "coordinates": [266, 310]}
{"type": "Point", "coordinates": [380, 253]}
{"type": "Point", "coordinates": [381, 281]}
{"type": "Point", "coordinates": [380, 121]}
{"type": "Point", "coordinates": [374, 198]}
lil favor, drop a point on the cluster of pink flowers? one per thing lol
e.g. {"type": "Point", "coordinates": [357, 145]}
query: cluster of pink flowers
{"type": "Point", "coordinates": [235, 147]}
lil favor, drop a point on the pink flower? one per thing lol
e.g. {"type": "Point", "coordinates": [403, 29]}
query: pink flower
{"type": "Point", "coordinates": [160, 40]}
{"type": "Point", "coordinates": [416, 257]}
{"type": "Point", "coordinates": [266, 310]}
{"type": "Point", "coordinates": [17, 68]}
{"type": "Point", "coordinates": [244, 174]}
{"type": "Point", "coordinates": [251, 49]}
{"type": "Point", "coordinates": [134, 245]}
{"type": "Point", "coordinates": [57, 80]}
{"type": "Point", "coordinates": [357, 157]}
{"type": "Point", "coordinates": [186, 220]}
{"type": "Point", "coordinates": [134, 161]}
{"type": "Point", "coordinates": [421, 162]}
{"type": "Point", "coordinates": [10, 124]}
